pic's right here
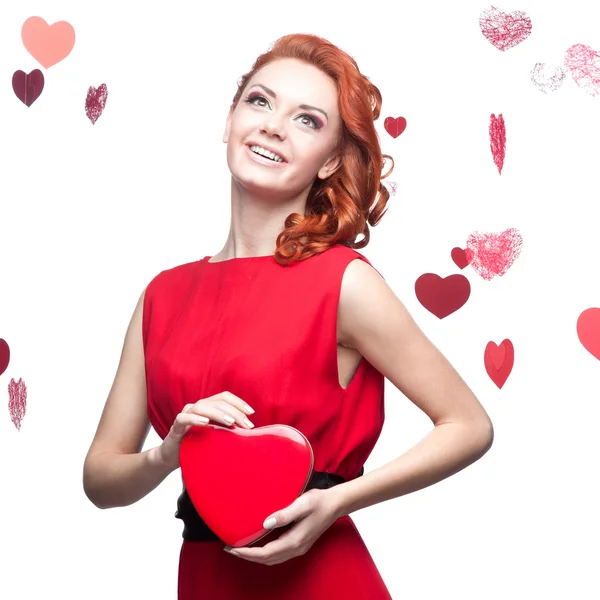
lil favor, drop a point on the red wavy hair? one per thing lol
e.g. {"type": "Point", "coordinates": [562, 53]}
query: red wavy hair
{"type": "Point", "coordinates": [342, 206]}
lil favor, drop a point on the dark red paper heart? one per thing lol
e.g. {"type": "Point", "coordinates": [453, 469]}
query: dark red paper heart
{"type": "Point", "coordinates": [28, 86]}
{"type": "Point", "coordinates": [237, 477]}
{"type": "Point", "coordinates": [394, 126]}
{"type": "Point", "coordinates": [4, 356]}
{"type": "Point", "coordinates": [499, 361]}
{"type": "Point", "coordinates": [462, 258]}
{"type": "Point", "coordinates": [444, 296]}
{"type": "Point", "coordinates": [95, 102]}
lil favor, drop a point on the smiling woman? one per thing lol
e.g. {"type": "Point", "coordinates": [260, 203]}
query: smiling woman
{"type": "Point", "coordinates": [290, 324]}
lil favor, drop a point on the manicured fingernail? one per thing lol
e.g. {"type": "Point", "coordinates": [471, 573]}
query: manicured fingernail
{"type": "Point", "coordinates": [202, 419]}
{"type": "Point", "coordinates": [229, 419]}
{"type": "Point", "coordinates": [249, 410]}
{"type": "Point", "coordinates": [231, 550]}
{"type": "Point", "coordinates": [270, 523]}
{"type": "Point", "coordinates": [249, 422]}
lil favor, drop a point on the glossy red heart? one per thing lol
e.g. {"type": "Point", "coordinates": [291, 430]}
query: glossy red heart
{"type": "Point", "coordinates": [499, 361]}
{"type": "Point", "coordinates": [394, 126]}
{"type": "Point", "coordinates": [237, 477]}
{"type": "Point", "coordinates": [442, 296]}
{"type": "Point", "coordinates": [462, 258]}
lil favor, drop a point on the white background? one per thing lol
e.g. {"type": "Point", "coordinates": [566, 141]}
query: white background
{"type": "Point", "coordinates": [89, 214]}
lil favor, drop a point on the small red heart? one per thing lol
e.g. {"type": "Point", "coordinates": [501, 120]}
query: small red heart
{"type": "Point", "coordinates": [4, 356]}
{"type": "Point", "coordinates": [588, 331]}
{"type": "Point", "coordinates": [462, 258]}
{"type": "Point", "coordinates": [237, 477]}
{"type": "Point", "coordinates": [95, 102]}
{"type": "Point", "coordinates": [28, 86]}
{"type": "Point", "coordinates": [499, 361]}
{"type": "Point", "coordinates": [395, 126]}
{"type": "Point", "coordinates": [440, 296]}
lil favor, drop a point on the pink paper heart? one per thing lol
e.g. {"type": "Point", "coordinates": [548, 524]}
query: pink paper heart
{"type": "Point", "coordinates": [504, 30]}
{"type": "Point", "coordinates": [494, 253]}
{"type": "Point", "coordinates": [584, 64]}
{"type": "Point", "coordinates": [48, 44]}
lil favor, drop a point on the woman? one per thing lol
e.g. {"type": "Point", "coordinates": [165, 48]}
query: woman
{"type": "Point", "coordinates": [289, 324]}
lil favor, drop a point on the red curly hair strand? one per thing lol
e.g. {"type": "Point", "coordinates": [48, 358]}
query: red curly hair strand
{"type": "Point", "coordinates": [342, 206]}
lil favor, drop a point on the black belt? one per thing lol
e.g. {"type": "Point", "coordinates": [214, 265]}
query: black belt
{"type": "Point", "coordinates": [196, 530]}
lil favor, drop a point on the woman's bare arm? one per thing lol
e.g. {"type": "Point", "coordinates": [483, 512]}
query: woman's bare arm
{"type": "Point", "coordinates": [116, 472]}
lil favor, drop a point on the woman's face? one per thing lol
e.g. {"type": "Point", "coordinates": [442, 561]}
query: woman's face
{"type": "Point", "coordinates": [289, 108]}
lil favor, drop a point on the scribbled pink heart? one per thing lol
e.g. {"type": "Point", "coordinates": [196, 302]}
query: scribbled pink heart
{"type": "Point", "coordinates": [504, 30]}
{"type": "Point", "coordinates": [48, 44]}
{"type": "Point", "coordinates": [28, 86]}
{"type": "Point", "coordinates": [17, 401]}
{"type": "Point", "coordinates": [4, 356]}
{"type": "Point", "coordinates": [494, 253]}
{"type": "Point", "coordinates": [461, 257]}
{"type": "Point", "coordinates": [498, 140]}
{"type": "Point", "coordinates": [584, 64]}
{"type": "Point", "coordinates": [499, 361]}
{"type": "Point", "coordinates": [547, 79]}
{"type": "Point", "coordinates": [588, 331]}
{"type": "Point", "coordinates": [395, 126]}
{"type": "Point", "coordinates": [442, 296]}
{"type": "Point", "coordinates": [95, 102]}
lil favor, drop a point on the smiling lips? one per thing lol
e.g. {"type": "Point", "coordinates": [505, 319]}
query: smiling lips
{"type": "Point", "coordinates": [268, 153]}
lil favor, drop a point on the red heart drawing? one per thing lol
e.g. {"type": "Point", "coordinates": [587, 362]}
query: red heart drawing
{"type": "Point", "coordinates": [48, 44]}
{"type": "Point", "coordinates": [588, 330]}
{"type": "Point", "coordinates": [395, 126]}
{"type": "Point", "coordinates": [584, 64]}
{"type": "Point", "coordinates": [461, 258]}
{"type": "Point", "coordinates": [499, 361]}
{"type": "Point", "coordinates": [17, 401]}
{"type": "Point", "coordinates": [494, 253]}
{"type": "Point", "coordinates": [440, 296]}
{"type": "Point", "coordinates": [237, 477]}
{"type": "Point", "coordinates": [504, 30]}
{"type": "Point", "coordinates": [498, 140]}
{"type": "Point", "coordinates": [547, 79]}
{"type": "Point", "coordinates": [4, 356]}
{"type": "Point", "coordinates": [28, 87]}
{"type": "Point", "coordinates": [95, 102]}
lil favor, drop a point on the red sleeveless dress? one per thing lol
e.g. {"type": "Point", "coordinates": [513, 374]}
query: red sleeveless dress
{"type": "Point", "coordinates": [267, 334]}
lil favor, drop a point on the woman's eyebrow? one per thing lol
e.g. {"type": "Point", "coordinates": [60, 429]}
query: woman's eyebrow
{"type": "Point", "coordinates": [303, 106]}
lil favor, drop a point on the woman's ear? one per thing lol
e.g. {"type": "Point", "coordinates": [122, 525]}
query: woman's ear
{"type": "Point", "coordinates": [228, 126]}
{"type": "Point", "coordinates": [330, 167]}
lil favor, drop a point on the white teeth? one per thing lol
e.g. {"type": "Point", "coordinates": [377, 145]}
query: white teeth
{"type": "Point", "coordinates": [266, 153]}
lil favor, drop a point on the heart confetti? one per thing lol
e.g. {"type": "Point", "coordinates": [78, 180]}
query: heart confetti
{"type": "Point", "coordinates": [494, 253]}
{"type": "Point", "coordinates": [462, 258]}
{"type": "Point", "coordinates": [499, 361]}
{"type": "Point", "coordinates": [546, 79]}
{"type": "Point", "coordinates": [17, 401]}
{"type": "Point", "coordinates": [95, 102]}
{"type": "Point", "coordinates": [394, 126]}
{"type": "Point", "coordinates": [498, 140]}
{"type": "Point", "coordinates": [28, 86]}
{"type": "Point", "coordinates": [48, 44]}
{"type": "Point", "coordinates": [442, 296]}
{"type": "Point", "coordinates": [588, 331]}
{"type": "Point", "coordinates": [504, 30]}
{"type": "Point", "coordinates": [4, 356]}
{"type": "Point", "coordinates": [584, 64]}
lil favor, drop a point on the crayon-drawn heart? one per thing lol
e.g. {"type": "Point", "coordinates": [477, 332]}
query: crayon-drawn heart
{"type": "Point", "coordinates": [499, 361]}
{"type": "Point", "coordinates": [588, 331]}
{"type": "Point", "coordinates": [498, 140]}
{"type": "Point", "coordinates": [546, 79]}
{"type": "Point", "coordinates": [28, 86]}
{"type": "Point", "coordinates": [444, 296]}
{"type": "Point", "coordinates": [395, 126]}
{"type": "Point", "coordinates": [584, 64]}
{"type": "Point", "coordinates": [48, 44]}
{"type": "Point", "coordinates": [4, 356]}
{"type": "Point", "coordinates": [17, 401]}
{"type": "Point", "coordinates": [95, 102]}
{"type": "Point", "coordinates": [504, 30]}
{"type": "Point", "coordinates": [237, 477]}
{"type": "Point", "coordinates": [462, 258]}
{"type": "Point", "coordinates": [494, 253]}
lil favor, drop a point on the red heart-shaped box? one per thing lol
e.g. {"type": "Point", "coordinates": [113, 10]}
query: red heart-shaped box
{"type": "Point", "coordinates": [237, 477]}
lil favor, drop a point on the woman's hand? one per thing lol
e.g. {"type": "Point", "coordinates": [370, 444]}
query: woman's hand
{"type": "Point", "coordinates": [313, 512]}
{"type": "Point", "coordinates": [223, 408]}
